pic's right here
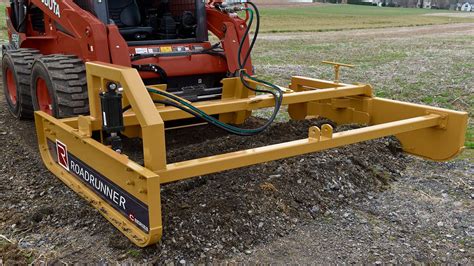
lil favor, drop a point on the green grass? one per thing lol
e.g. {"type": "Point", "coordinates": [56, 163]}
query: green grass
{"type": "Point", "coordinates": [470, 138]}
{"type": "Point", "coordinates": [3, 28]}
{"type": "Point", "coordinates": [343, 17]}
{"type": "Point", "coordinates": [468, 153]}
{"type": "Point", "coordinates": [134, 253]}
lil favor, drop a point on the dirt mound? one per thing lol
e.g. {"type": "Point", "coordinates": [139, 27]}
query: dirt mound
{"type": "Point", "coordinates": [234, 211]}
{"type": "Point", "coordinates": [205, 218]}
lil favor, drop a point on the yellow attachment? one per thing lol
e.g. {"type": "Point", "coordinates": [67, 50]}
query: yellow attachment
{"type": "Point", "coordinates": [337, 67]}
{"type": "Point", "coordinates": [128, 194]}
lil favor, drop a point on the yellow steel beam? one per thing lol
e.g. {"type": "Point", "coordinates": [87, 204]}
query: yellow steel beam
{"type": "Point", "coordinates": [450, 141]}
{"type": "Point", "coordinates": [258, 102]}
{"type": "Point", "coordinates": [124, 192]}
{"type": "Point", "coordinates": [136, 94]}
{"type": "Point", "coordinates": [299, 83]}
{"type": "Point", "coordinates": [212, 164]}
{"type": "Point", "coordinates": [247, 104]}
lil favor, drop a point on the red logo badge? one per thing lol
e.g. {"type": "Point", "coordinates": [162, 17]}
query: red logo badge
{"type": "Point", "coordinates": [61, 149]}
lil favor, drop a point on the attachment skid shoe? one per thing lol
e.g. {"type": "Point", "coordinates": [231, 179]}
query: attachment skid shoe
{"type": "Point", "coordinates": [128, 194]}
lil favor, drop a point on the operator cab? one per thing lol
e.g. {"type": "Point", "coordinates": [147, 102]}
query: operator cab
{"type": "Point", "coordinates": [143, 22]}
{"type": "Point", "coordinates": [159, 21]}
{"type": "Point", "coordinates": [153, 21]}
{"type": "Point", "coordinates": [127, 16]}
{"type": "Point", "coordinates": [150, 26]}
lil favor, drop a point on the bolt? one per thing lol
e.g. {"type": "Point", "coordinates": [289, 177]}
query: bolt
{"type": "Point", "coordinates": [112, 86]}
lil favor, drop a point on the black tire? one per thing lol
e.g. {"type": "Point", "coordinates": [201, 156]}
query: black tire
{"type": "Point", "coordinates": [19, 62]}
{"type": "Point", "coordinates": [8, 47]}
{"type": "Point", "coordinates": [65, 78]}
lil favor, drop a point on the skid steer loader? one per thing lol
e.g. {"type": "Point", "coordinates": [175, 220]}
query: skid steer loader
{"type": "Point", "coordinates": [93, 72]}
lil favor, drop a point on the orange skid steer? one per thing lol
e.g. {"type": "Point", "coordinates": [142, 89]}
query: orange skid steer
{"type": "Point", "coordinates": [95, 72]}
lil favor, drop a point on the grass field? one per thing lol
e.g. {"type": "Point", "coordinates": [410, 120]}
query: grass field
{"type": "Point", "coordinates": [343, 17]}
{"type": "Point", "coordinates": [338, 17]}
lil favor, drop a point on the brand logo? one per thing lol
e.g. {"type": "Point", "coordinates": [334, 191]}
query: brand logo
{"type": "Point", "coordinates": [122, 201]}
{"type": "Point", "coordinates": [63, 159]}
{"type": "Point", "coordinates": [133, 219]}
{"type": "Point", "coordinates": [53, 6]}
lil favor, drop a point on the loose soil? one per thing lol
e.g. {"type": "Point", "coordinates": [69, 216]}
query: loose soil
{"type": "Point", "coordinates": [365, 203]}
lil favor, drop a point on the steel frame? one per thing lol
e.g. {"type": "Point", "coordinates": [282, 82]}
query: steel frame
{"type": "Point", "coordinates": [429, 132]}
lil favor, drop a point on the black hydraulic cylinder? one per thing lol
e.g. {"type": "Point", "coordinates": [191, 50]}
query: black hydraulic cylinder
{"type": "Point", "coordinates": [112, 113]}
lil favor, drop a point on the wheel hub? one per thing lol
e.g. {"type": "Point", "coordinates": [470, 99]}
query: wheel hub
{"type": "Point", "coordinates": [42, 94]}
{"type": "Point", "coordinates": [11, 86]}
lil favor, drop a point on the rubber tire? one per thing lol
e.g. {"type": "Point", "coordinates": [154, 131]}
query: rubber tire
{"type": "Point", "coordinates": [65, 77]}
{"type": "Point", "coordinates": [8, 47]}
{"type": "Point", "coordinates": [20, 61]}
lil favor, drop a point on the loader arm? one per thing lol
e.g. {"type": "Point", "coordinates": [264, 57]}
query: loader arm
{"type": "Point", "coordinates": [230, 30]}
{"type": "Point", "coordinates": [68, 29]}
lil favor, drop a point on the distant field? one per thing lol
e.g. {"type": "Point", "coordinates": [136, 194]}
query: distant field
{"type": "Point", "coordinates": [313, 18]}
{"type": "Point", "coordinates": [344, 17]}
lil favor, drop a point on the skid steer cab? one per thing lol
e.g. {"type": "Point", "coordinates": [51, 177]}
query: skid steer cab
{"type": "Point", "coordinates": [95, 72]}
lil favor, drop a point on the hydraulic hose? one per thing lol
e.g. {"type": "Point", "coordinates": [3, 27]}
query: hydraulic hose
{"type": "Point", "coordinates": [178, 102]}
{"type": "Point", "coordinates": [277, 93]}
{"type": "Point", "coordinates": [254, 40]}
{"type": "Point", "coordinates": [201, 114]}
